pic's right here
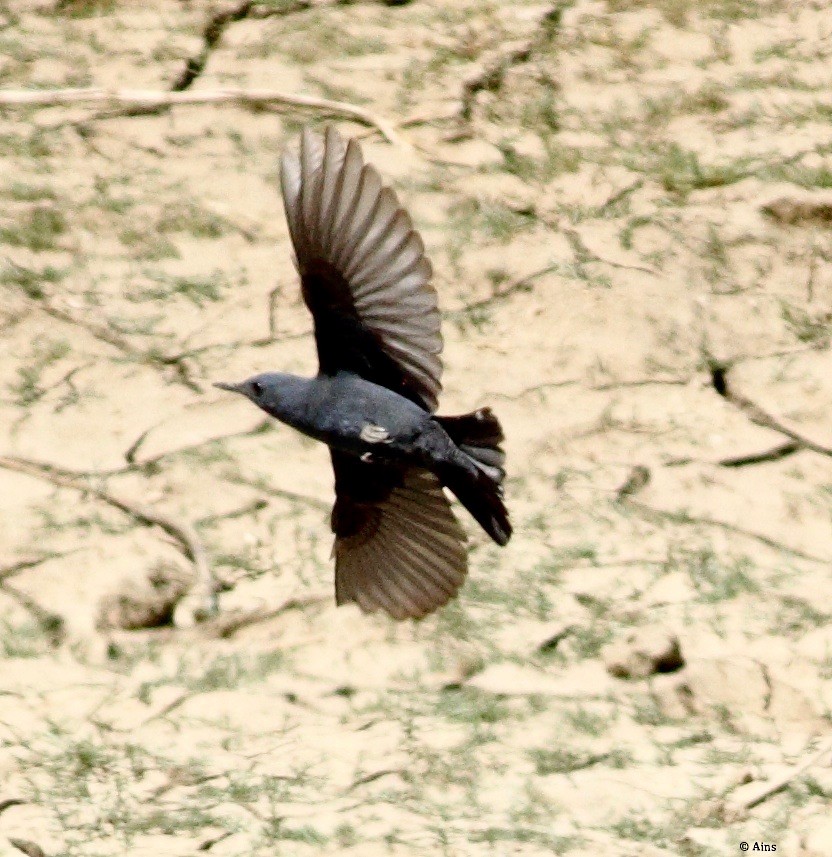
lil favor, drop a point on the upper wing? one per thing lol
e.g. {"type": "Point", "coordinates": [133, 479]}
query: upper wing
{"type": "Point", "coordinates": [363, 269]}
{"type": "Point", "coordinates": [398, 546]}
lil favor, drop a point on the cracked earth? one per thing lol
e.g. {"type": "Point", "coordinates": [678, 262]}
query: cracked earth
{"type": "Point", "coordinates": [627, 204]}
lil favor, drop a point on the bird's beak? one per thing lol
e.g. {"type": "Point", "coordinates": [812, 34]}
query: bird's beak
{"type": "Point", "coordinates": [232, 388]}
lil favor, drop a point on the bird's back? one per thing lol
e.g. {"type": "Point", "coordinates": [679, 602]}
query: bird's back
{"type": "Point", "coordinates": [343, 406]}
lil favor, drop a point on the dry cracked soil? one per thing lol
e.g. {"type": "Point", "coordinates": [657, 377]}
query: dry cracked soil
{"type": "Point", "coordinates": [628, 206]}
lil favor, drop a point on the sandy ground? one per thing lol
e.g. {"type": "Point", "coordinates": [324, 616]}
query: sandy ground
{"type": "Point", "coordinates": [629, 219]}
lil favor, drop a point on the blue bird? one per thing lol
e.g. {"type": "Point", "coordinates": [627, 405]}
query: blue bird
{"type": "Point", "coordinates": [366, 281]}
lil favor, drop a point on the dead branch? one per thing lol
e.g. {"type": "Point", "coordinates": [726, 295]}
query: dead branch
{"type": "Point", "coordinates": [147, 99]}
{"type": "Point", "coordinates": [493, 72]}
{"type": "Point", "coordinates": [135, 464]}
{"type": "Point", "coordinates": [371, 778]}
{"type": "Point", "coordinates": [620, 195]}
{"type": "Point", "coordinates": [222, 627]}
{"type": "Point", "coordinates": [775, 453]}
{"type": "Point", "coordinates": [535, 389]}
{"type": "Point", "coordinates": [521, 284]}
{"type": "Point", "coordinates": [51, 623]}
{"type": "Point", "coordinates": [662, 516]}
{"type": "Point", "coordinates": [757, 415]}
{"type": "Point", "coordinates": [131, 454]}
{"type": "Point", "coordinates": [8, 803]}
{"type": "Point", "coordinates": [604, 385]}
{"type": "Point", "coordinates": [216, 26]}
{"type": "Point", "coordinates": [782, 782]}
{"type": "Point", "coordinates": [782, 450]}
{"type": "Point", "coordinates": [681, 381]}
{"type": "Point", "coordinates": [280, 493]}
{"type": "Point", "coordinates": [15, 568]}
{"type": "Point", "coordinates": [106, 333]}
{"type": "Point", "coordinates": [166, 709]}
{"type": "Point", "coordinates": [240, 512]}
{"type": "Point", "coordinates": [584, 255]}
{"type": "Point", "coordinates": [183, 533]}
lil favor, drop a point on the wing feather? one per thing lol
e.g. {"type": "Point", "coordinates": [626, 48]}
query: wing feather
{"type": "Point", "coordinates": [364, 273]}
{"type": "Point", "coordinates": [398, 547]}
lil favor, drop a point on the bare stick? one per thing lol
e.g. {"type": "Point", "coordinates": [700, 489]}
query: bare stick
{"type": "Point", "coordinates": [719, 379]}
{"type": "Point", "coordinates": [51, 623]}
{"type": "Point", "coordinates": [281, 493]}
{"type": "Point", "coordinates": [183, 533]}
{"type": "Point", "coordinates": [240, 512]}
{"type": "Point", "coordinates": [774, 453]}
{"type": "Point", "coordinates": [521, 284]}
{"type": "Point", "coordinates": [7, 803]}
{"type": "Point", "coordinates": [686, 519]}
{"type": "Point", "coordinates": [131, 455]}
{"type": "Point", "coordinates": [223, 627]}
{"type": "Point", "coordinates": [493, 73]}
{"type": "Point", "coordinates": [216, 26]}
{"type": "Point", "coordinates": [15, 568]}
{"type": "Point", "coordinates": [782, 450]}
{"type": "Point", "coordinates": [780, 783]}
{"type": "Point", "coordinates": [583, 254]}
{"type": "Point", "coordinates": [148, 99]}
{"type": "Point", "coordinates": [106, 333]}
{"type": "Point", "coordinates": [620, 195]}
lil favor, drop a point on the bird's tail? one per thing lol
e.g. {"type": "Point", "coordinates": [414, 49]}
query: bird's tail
{"type": "Point", "coordinates": [479, 487]}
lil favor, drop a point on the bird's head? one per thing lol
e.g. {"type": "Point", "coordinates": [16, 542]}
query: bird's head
{"type": "Point", "coordinates": [276, 393]}
{"type": "Point", "coordinates": [257, 389]}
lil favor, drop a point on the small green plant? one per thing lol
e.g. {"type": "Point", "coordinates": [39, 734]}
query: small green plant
{"type": "Point", "coordinates": [813, 328]}
{"type": "Point", "coordinates": [493, 220]}
{"type": "Point", "coordinates": [192, 218]}
{"type": "Point", "coordinates": [468, 705]}
{"type": "Point", "coordinates": [681, 171]}
{"type": "Point", "coordinates": [28, 387]}
{"type": "Point", "coordinates": [25, 192]}
{"type": "Point", "coordinates": [30, 280]}
{"type": "Point", "coordinates": [149, 246]}
{"type": "Point", "coordinates": [231, 671]}
{"type": "Point", "coordinates": [84, 8]}
{"type": "Point", "coordinates": [198, 290]}
{"type": "Point", "coordinates": [37, 229]}
{"type": "Point", "coordinates": [586, 721]}
{"type": "Point", "coordinates": [27, 640]}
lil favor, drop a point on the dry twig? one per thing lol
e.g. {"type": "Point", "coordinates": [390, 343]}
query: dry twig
{"type": "Point", "coordinates": [782, 782]}
{"type": "Point", "coordinates": [212, 33]}
{"type": "Point", "coordinates": [638, 478]}
{"type": "Point", "coordinates": [147, 99]}
{"type": "Point", "coordinates": [21, 565]}
{"type": "Point", "coordinates": [226, 626]}
{"type": "Point", "coordinates": [521, 284]}
{"type": "Point", "coordinates": [719, 379]}
{"type": "Point", "coordinates": [50, 622]}
{"type": "Point", "coordinates": [183, 533]}
{"type": "Point", "coordinates": [584, 255]}
{"type": "Point", "coordinates": [131, 455]}
{"type": "Point", "coordinates": [105, 332]}
{"type": "Point", "coordinates": [782, 450]}
{"type": "Point", "coordinates": [491, 76]}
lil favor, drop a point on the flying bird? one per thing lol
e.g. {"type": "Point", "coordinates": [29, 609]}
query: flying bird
{"type": "Point", "coordinates": [366, 280]}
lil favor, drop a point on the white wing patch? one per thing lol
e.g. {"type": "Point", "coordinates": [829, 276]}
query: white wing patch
{"type": "Point", "coordinates": [374, 434]}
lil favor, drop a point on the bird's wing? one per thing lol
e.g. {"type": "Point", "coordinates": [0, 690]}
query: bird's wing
{"type": "Point", "coordinates": [398, 546]}
{"type": "Point", "coordinates": [363, 269]}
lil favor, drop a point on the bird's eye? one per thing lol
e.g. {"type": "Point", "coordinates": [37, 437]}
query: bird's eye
{"type": "Point", "coordinates": [256, 388]}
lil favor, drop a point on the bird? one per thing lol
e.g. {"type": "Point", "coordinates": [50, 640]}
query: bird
{"type": "Point", "coordinates": [366, 280]}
